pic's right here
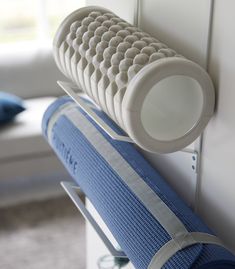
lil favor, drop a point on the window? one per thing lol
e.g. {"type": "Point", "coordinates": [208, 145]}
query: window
{"type": "Point", "coordinates": [25, 20]}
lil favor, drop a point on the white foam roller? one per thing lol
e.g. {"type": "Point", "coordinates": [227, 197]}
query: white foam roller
{"type": "Point", "coordinates": [162, 100]}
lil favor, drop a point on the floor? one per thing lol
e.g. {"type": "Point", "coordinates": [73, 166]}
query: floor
{"type": "Point", "coordinates": [42, 235]}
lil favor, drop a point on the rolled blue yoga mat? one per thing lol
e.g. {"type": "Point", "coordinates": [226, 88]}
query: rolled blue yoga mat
{"type": "Point", "coordinates": [147, 218]}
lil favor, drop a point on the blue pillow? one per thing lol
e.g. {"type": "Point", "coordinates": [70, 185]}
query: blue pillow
{"type": "Point", "coordinates": [10, 106]}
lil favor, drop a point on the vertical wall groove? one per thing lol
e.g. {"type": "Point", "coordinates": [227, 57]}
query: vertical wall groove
{"type": "Point", "coordinates": [199, 145]}
{"type": "Point", "coordinates": [137, 13]}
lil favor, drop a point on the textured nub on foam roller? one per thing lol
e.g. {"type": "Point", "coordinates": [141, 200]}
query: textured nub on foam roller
{"type": "Point", "coordinates": [162, 100]}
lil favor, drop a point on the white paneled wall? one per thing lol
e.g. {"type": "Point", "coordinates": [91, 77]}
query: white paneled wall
{"type": "Point", "coordinates": [184, 26]}
{"type": "Point", "coordinates": [217, 192]}
{"type": "Point", "coordinates": [122, 8]}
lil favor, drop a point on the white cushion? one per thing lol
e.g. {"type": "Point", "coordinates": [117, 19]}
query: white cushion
{"type": "Point", "coordinates": [23, 137]}
{"type": "Point", "coordinates": [28, 70]}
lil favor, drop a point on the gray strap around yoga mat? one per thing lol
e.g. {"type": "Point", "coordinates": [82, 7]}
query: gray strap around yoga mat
{"type": "Point", "coordinates": [153, 203]}
{"type": "Point", "coordinates": [171, 248]}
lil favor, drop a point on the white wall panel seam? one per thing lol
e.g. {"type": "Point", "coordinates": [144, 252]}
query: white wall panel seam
{"type": "Point", "coordinates": [199, 142]}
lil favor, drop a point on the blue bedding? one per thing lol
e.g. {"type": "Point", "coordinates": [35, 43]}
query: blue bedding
{"type": "Point", "coordinates": [98, 165]}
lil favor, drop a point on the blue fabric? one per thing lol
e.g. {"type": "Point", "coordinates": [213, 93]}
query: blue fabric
{"type": "Point", "coordinates": [10, 106]}
{"type": "Point", "coordinates": [52, 109]}
{"type": "Point", "coordinates": [139, 234]}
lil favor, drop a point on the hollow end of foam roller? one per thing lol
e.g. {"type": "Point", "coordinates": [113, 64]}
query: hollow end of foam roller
{"type": "Point", "coordinates": [168, 104]}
